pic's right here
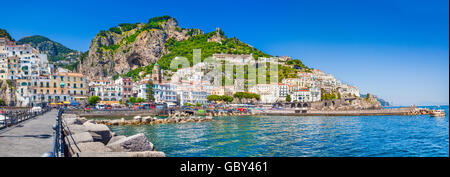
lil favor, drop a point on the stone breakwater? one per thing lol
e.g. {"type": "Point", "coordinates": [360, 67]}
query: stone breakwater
{"type": "Point", "coordinates": [86, 138]}
{"type": "Point", "coordinates": [364, 112]}
{"type": "Point", "coordinates": [217, 114]}
{"type": "Point", "coordinates": [148, 120]}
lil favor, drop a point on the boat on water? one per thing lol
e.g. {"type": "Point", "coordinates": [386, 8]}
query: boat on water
{"type": "Point", "coordinates": [437, 113]}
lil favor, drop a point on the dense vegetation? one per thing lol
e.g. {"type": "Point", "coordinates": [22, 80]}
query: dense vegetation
{"type": "Point", "coordinates": [288, 98]}
{"type": "Point", "coordinates": [153, 23]}
{"type": "Point", "coordinates": [185, 48]}
{"type": "Point", "coordinates": [286, 72]}
{"type": "Point", "coordinates": [223, 98]}
{"type": "Point", "coordinates": [328, 96]}
{"type": "Point", "coordinates": [93, 100]}
{"type": "Point", "coordinates": [297, 64]}
{"type": "Point", "coordinates": [247, 95]}
{"type": "Point", "coordinates": [133, 100]}
{"type": "Point", "coordinates": [4, 33]}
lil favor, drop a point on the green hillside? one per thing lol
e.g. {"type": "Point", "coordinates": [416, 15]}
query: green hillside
{"type": "Point", "coordinates": [56, 52]}
{"type": "Point", "coordinates": [4, 33]}
{"type": "Point", "coordinates": [185, 49]}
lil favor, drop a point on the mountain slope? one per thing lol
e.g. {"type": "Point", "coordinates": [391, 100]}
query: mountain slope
{"type": "Point", "coordinates": [58, 54]}
{"type": "Point", "coordinates": [130, 46]}
{"type": "Point", "coordinates": [128, 49]}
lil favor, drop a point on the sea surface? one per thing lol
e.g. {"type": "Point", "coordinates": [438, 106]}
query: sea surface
{"type": "Point", "coordinates": [302, 136]}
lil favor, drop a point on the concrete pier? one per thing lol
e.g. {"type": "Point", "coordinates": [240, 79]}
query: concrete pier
{"type": "Point", "coordinates": [31, 138]}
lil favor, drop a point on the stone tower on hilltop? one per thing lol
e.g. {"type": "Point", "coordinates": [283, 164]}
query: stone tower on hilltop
{"type": "Point", "coordinates": [156, 74]}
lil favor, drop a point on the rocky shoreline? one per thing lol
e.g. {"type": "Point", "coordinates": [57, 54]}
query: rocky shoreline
{"type": "Point", "coordinates": [179, 117]}
{"type": "Point", "coordinates": [86, 138]}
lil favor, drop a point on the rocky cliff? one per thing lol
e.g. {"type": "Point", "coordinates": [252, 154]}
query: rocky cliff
{"type": "Point", "coordinates": [130, 46]}
{"type": "Point", "coordinates": [7, 93]}
{"type": "Point", "coordinates": [131, 49]}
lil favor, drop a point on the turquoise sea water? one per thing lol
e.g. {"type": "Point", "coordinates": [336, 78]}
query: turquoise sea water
{"type": "Point", "coordinates": [310, 136]}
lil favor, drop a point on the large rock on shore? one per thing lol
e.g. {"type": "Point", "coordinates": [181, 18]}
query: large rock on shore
{"type": "Point", "coordinates": [116, 138]}
{"type": "Point", "coordinates": [147, 119]}
{"type": "Point", "coordinates": [123, 154]}
{"type": "Point", "coordinates": [99, 129]}
{"type": "Point", "coordinates": [74, 129]}
{"type": "Point", "coordinates": [71, 121]}
{"type": "Point", "coordinates": [133, 143]}
{"type": "Point", "coordinates": [79, 138]}
{"type": "Point", "coordinates": [89, 147]}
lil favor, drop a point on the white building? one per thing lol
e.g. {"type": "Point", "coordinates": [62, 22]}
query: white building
{"type": "Point", "coordinates": [306, 95]}
{"type": "Point", "coordinates": [165, 93]}
{"type": "Point", "coordinates": [284, 90]}
{"type": "Point", "coordinates": [269, 93]}
{"type": "Point", "coordinates": [348, 91]}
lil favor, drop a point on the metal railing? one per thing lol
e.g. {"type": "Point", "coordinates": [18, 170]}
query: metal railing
{"type": "Point", "coordinates": [10, 118]}
{"type": "Point", "coordinates": [58, 138]}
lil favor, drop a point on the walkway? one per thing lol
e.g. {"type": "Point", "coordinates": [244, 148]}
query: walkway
{"type": "Point", "coordinates": [32, 138]}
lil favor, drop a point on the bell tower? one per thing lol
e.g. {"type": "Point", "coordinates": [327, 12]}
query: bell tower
{"type": "Point", "coordinates": [156, 74]}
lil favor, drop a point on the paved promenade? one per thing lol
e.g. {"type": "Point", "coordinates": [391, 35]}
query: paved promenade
{"type": "Point", "coordinates": [30, 138]}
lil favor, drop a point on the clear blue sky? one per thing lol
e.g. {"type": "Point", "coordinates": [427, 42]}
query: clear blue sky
{"type": "Point", "coordinates": [396, 49]}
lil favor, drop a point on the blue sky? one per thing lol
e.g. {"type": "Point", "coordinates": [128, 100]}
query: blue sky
{"type": "Point", "coordinates": [396, 49]}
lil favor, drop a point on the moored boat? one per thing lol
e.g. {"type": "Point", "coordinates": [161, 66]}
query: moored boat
{"type": "Point", "coordinates": [437, 113]}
